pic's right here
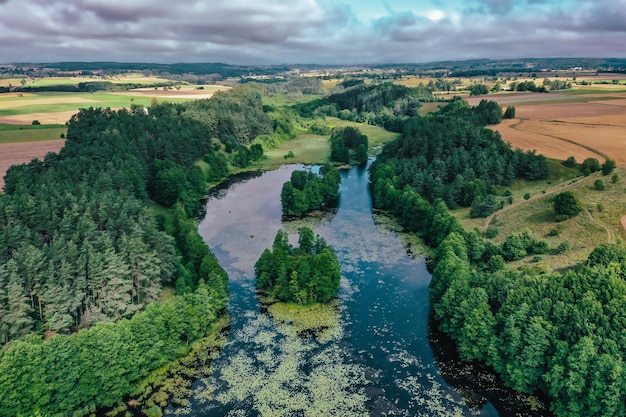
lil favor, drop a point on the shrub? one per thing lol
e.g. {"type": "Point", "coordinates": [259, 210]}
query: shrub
{"type": "Point", "coordinates": [36, 122]}
{"type": "Point", "coordinates": [589, 166]}
{"type": "Point", "coordinates": [608, 166]}
{"type": "Point", "coordinates": [615, 179]}
{"type": "Point", "coordinates": [570, 162]}
{"type": "Point", "coordinates": [563, 247]}
{"type": "Point", "coordinates": [491, 232]}
{"type": "Point", "coordinates": [599, 185]}
{"type": "Point", "coordinates": [527, 196]}
{"type": "Point", "coordinates": [566, 203]}
{"type": "Point", "coordinates": [561, 217]}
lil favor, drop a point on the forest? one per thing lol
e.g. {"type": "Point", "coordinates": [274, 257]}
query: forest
{"type": "Point", "coordinates": [304, 275]}
{"type": "Point", "coordinates": [558, 333]}
{"type": "Point", "coordinates": [84, 261]}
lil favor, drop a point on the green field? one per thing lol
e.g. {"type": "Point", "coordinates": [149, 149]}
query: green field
{"type": "Point", "coordinates": [376, 135]}
{"type": "Point", "coordinates": [307, 149]}
{"type": "Point", "coordinates": [121, 79]}
{"type": "Point", "coordinates": [13, 133]}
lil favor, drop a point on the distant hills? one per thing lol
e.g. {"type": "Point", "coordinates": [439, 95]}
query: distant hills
{"type": "Point", "coordinates": [451, 68]}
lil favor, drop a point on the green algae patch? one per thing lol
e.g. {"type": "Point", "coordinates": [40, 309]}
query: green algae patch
{"type": "Point", "coordinates": [319, 320]}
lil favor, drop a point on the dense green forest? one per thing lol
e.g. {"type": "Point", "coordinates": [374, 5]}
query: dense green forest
{"type": "Point", "coordinates": [348, 144]}
{"type": "Point", "coordinates": [307, 191]}
{"type": "Point", "coordinates": [387, 104]}
{"type": "Point", "coordinates": [307, 274]}
{"type": "Point", "coordinates": [558, 333]}
{"type": "Point", "coordinates": [451, 155]}
{"type": "Point", "coordinates": [84, 261]}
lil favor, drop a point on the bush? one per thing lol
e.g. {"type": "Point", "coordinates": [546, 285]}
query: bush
{"type": "Point", "coordinates": [615, 179]}
{"type": "Point", "coordinates": [561, 217]}
{"type": "Point", "coordinates": [36, 122]}
{"type": "Point", "coordinates": [599, 185]}
{"type": "Point", "coordinates": [566, 203]}
{"type": "Point", "coordinates": [570, 162]}
{"type": "Point", "coordinates": [491, 232]}
{"type": "Point", "coordinates": [563, 247]}
{"type": "Point", "coordinates": [590, 165]}
{"type": "Point", "coordinates": [527, 196]}
{"type": "Point", "coordinates": [608, 166]}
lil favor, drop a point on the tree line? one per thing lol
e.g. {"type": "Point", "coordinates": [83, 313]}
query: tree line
{"type": "Point", "coordinates": [83, 260]}
{"type": "Point", "coordinates": [558, 333]}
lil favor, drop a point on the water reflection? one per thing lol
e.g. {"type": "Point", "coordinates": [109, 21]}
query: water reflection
{"type": "Point", "coordinates": [377, 361]}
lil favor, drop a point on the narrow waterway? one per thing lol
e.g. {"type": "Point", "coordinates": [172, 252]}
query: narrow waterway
{"type": "Point", "coordinates": [376, 360]}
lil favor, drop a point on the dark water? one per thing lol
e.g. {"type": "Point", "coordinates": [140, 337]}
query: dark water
{"type": "Point", "coordinates": [376, 360]}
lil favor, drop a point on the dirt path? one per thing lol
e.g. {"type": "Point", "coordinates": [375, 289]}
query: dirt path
{"type": "Point", "coordinates": [17, 153]}
{"type": "Point", "coordinates": [558, 187]}
{"type": "Point", "coordinates": [608, 231]}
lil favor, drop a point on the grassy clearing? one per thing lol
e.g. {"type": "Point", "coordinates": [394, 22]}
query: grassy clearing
{"type": "Point", "coordinates": [600, 223]}
{"type": "Point", "coordinates": [376, 135]}
{"type": "Point", "coordinates": [12, 133]}
{"type": "Point", "coordinates": [52, 102]}
{"type": "Point", "coordinates": [307, 149]}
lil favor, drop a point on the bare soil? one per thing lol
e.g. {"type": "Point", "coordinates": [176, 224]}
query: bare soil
{"type": "Point", "coordinates": [17, 153]}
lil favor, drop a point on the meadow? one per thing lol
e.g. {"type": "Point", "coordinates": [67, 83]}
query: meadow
{"type": "Point", "coordinates": [600, 221]}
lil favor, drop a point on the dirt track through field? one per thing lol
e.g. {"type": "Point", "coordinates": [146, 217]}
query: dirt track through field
{"type": "Point", "coordinates": [17, 153]}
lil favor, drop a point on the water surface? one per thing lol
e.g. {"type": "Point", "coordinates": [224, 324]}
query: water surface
{"type": "Point", "coordinates": [375, 361]}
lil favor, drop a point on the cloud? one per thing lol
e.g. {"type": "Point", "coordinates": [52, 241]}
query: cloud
{"type": "Point", "coordinates": [304, 31]}
{"type": "Point", "coordinates": [498, 6]}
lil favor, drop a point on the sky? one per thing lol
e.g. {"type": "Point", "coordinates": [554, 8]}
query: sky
{"type": "Point", "coordinates": [260, 32]}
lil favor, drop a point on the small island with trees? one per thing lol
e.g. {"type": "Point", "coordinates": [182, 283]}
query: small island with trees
{"type": "Point", "coordinates": [307, 191]}
{"type": "Point", "coordinates": [304, 275]}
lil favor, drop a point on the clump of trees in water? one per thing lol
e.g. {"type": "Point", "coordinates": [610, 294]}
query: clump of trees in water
{"type": "Point", "coordinates": [559, 333]}
{"type": "Point", "coordinates": [307, 191]}
{"type": "Point", "coordinates": [304, 275]}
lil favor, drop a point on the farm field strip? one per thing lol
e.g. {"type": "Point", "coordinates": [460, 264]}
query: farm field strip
{"type": "Point", "coordinates": [36, 101]}
{"type": "Point", "coordinates": [549, 146]}
{"type": "Point", "coordinates": [17, 153]}
{"type": "Point", "coordinates": [605, 141]}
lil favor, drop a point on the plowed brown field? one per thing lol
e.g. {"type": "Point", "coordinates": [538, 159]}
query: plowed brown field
{"type": "Point", "coordinates": [583, 129]}
{"type": "Point", "coordinates": [17, 153]}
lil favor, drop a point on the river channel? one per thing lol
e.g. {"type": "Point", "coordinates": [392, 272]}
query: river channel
{"type": "Point", "coordinates": [375, 361]}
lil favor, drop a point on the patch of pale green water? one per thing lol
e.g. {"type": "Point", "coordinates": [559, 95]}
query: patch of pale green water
{"type": "Point", "coordinates": [281, 374]}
